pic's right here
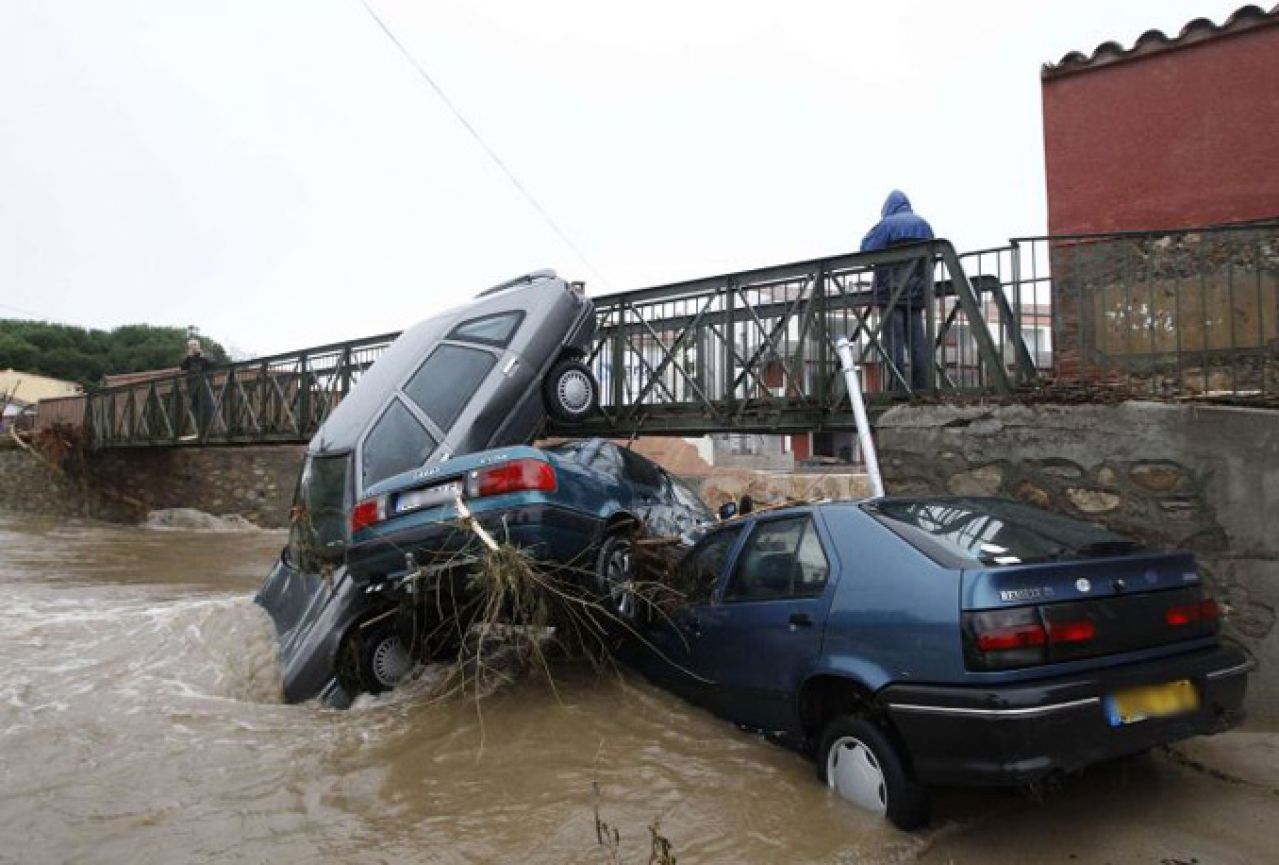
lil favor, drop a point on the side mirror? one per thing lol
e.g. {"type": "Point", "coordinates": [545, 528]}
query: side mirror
{"type": "Point", "coordinates": [746, 505]}
{"type": "Point", "coordinates": [728, 510]}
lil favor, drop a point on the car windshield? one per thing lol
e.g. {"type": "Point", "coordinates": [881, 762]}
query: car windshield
{"type": "Point", "coordinates": [994, 531]}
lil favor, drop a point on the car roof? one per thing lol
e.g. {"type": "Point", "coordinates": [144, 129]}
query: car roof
{"type": "Point", "coordinates": [342, 430]}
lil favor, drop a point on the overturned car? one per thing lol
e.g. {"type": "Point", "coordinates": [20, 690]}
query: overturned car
{"type": "Point", "coordinates": [480, 375]}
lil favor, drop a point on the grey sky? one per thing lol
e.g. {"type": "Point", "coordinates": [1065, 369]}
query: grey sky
{"type": "Point", "coordinates": [277, 173]}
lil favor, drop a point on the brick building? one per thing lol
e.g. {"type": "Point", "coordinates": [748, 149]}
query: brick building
{"type": "Point", "coordinates": [1165, 138]}
{"type": "Point", "coordinates": [1169, 133]}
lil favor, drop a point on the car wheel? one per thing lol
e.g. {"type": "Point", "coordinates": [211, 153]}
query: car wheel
{"type": "Point", "coordinates": [614, 578]}
{"type": "Point", "coordinates": [859, 761]}
{"type": "Point", "coordinates": [383, 658]}
{"type": "Point", "coordinates": [570, 392]}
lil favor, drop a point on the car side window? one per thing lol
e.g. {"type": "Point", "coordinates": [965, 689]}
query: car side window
{"type": "Point", "coordinates": [782, 559]}
{"type": "Point", "coordinates": [396, 444]}
{"type": "Point", "coordinates": [698, 574]}
{"type": "Point", "coordinates": [445, 383]}
{"type": "Point", "coordinates": [495, 330]}
{"type": "Point", "coordinates": [640, 470]}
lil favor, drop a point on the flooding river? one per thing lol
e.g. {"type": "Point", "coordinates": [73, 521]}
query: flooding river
{"type": "Point", "coordinates": [140, 721]}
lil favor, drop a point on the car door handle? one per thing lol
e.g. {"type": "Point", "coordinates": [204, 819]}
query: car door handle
{"type": "Point", "coordinates": [801, 620]}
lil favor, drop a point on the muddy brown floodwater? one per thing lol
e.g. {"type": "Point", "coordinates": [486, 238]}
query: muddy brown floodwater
{"type": "Point", "coordinates": [140, 721]}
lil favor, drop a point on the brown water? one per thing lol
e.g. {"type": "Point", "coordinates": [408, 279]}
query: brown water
{"type": "Point", "coordinates": [140, 722]}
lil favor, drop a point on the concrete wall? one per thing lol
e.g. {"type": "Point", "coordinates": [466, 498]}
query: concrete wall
{"type": "Point", "coordinates": [1200, 478]}
{"type": "Point", "coordinates": [256, 482]}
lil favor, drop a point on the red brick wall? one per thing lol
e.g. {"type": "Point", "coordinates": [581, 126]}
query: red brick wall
{"type": "Point", "coordinates": [1182, 137]}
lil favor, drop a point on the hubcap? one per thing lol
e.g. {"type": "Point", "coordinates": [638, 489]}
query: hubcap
{"type": "Point", "coordinates": [617, 581]}
{"type": "Point", "coordinates": [853, 772]}
{"type": "Point", "coordinates": [390, 662]}
{"type": "Point", "coordinates": [574, 390]}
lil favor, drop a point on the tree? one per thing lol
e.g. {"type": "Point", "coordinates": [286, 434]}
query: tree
{"type": "Point", "coordinates": [85, 356]}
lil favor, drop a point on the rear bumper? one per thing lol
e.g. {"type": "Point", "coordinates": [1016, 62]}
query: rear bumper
{"type": "Point", "coordinates": [547, 531]}
{"type": "Point", "coordinates": [1015, 734]}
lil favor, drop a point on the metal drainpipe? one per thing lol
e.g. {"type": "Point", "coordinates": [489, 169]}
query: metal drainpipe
{"type": "Point", "coordinates": [845, 351]}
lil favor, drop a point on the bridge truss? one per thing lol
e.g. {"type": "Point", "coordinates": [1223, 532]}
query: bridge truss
{"type": "Point", "coordinates": [749, 352]}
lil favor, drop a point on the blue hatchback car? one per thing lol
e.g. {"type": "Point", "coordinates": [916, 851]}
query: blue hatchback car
{"type": "Point", "coordinates": [907, 642]}
{"type": "Point", "coordinates": [576, 503]}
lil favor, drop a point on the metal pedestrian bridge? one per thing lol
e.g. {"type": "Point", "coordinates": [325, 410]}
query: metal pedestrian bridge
{"type": "Point", "coordinates": [747, 352]}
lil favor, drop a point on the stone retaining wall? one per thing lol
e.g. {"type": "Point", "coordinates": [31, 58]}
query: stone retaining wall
{"type": "Point", "coordinates": [1200, 478]}
{"type": "Point", "coordinates": [253, 481]}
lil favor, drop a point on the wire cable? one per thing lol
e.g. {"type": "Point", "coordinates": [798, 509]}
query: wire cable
{"type": "Point", "coordinates": [492, 154]}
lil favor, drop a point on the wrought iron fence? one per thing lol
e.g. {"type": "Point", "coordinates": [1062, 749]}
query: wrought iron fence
{"type": "Point", "coordinates": [1191, 313]}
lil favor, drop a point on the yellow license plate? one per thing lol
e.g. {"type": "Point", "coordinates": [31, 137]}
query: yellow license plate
{"type": "Point", "coordinates": [1151, 701]}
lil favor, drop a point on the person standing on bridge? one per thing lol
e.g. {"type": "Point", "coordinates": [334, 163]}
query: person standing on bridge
{"type": "Point", "coordinates": [902, 321]}
{"type": "Point", "coordinates": [195, 365]}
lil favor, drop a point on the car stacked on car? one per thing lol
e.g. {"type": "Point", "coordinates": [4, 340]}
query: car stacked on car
{"type": "Point", "coordinates": [903, 642]}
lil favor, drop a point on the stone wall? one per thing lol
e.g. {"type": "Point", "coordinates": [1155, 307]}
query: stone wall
{"type": "Point", "coordinates": [253, 481]}
{"type": "Point", "coordinates": [1200, 478]}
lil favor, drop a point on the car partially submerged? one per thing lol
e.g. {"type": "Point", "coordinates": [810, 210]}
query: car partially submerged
{"type": "Point", "coordinates": [907, 642]}
{"type": "Point", "coordinates": [483, 374]}
{"type": "Point", "coordinates": [574, 507]}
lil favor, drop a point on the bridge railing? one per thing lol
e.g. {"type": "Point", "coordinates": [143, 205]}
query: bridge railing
{"type": "Point", "coordinates": [279, 398]}
{"type": "Point", "coordinates": [754, 351]}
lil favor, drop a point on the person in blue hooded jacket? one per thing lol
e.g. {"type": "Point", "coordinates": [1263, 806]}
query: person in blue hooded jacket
{"type": "Point", "coordinates": [903, 325]}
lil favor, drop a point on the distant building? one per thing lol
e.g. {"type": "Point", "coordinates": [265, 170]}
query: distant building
{"type": "Point", "coordinates": [20, 391]}
{"type": "Point", "coordinates": [1171, 133]}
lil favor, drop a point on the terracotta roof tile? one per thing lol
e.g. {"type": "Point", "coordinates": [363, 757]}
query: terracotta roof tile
{"type": "Point", "coordinates": [1153, 41]}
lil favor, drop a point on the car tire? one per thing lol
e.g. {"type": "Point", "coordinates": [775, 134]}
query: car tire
{"type": "Point", "coordinates": [614, 568]}
{"type": "Point", "coordinates": [383, 658]}
{"type": "Point", "coordinates": [570, 392]}
{"type": "Point", "coordinates": [859, 760]}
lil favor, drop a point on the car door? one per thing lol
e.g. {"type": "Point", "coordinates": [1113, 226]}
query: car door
{"type": "Point", "coordinates": [673, 638]}
{"type": "Point", "coordinates": [762, 631]}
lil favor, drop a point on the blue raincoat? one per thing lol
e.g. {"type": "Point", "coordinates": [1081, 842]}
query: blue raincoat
{"type": "Point", "coordinates": [898, 225]}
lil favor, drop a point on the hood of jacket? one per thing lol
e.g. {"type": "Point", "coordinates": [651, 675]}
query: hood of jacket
{"type": "Point", "coordinates": [896, 202]}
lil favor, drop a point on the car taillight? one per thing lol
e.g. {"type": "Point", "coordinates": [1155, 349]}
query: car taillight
{"type": "Point", "coordinates": [1182, 615]}
{"type": "Point", "coordinates": [515, 476]}
{"type": "Point", "coordinates": [1077, 631]}
{"type": "Point", "coordinates": [367, 513]}
{"type": "Point", "coordinates": [998, 639]}
{"type": "Point", "coordinates": [1012, 637]}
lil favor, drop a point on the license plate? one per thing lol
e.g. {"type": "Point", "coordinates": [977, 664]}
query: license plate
{"type": "Point", "coordinates": [1151, 701]}
{"type": "Point", "coordinates": [415, 500]}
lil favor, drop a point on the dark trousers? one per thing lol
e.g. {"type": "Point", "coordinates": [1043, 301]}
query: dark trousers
{"type": "Point", "coordinates": [904, 332]}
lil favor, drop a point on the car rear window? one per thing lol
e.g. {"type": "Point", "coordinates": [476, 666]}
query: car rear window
{"type": "Point", "coordinates": [445, 383]}
{"type": "Point", "coordinates": [396, 444]}
{"type": "Point", "coordinates": [994, 531]}
{"type": "Point", "coordinates": [489, 329]}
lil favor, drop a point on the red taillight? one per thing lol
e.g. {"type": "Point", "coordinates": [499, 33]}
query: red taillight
{"type": "Point", "coordinates": [1078, 631]}
{"type": "Point", "coordinates": [515, 476]}
{"type": "Point", "coordinates": [1012, 637]}
{"type": "Point", "coordinates": [367, 513]}
{"type": "Point", "coordinates": [1206, 610]}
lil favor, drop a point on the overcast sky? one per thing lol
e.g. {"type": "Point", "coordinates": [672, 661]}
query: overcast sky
{"type": "Point", "coordinates": [279, 174]}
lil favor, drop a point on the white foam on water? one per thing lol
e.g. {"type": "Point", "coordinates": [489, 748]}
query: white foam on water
{"type": "Point", "coordinates": [193, 520]}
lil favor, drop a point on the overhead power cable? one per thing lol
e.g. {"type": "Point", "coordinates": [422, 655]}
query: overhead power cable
{"type": "Point", "coordinates": [492, 154]}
